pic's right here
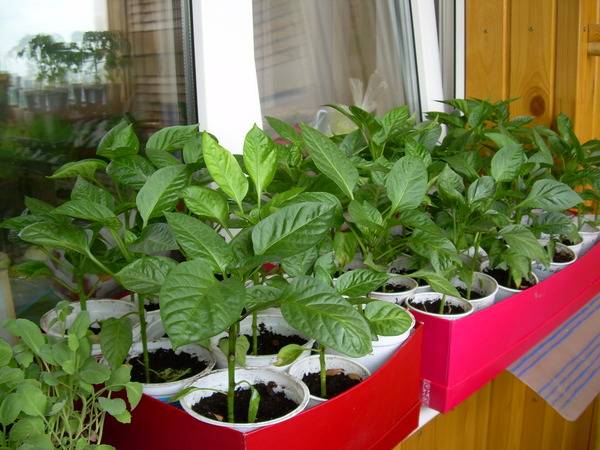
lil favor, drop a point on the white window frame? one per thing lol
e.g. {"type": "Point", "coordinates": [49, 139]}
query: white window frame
{"type": "Point", "coordinates": [228, 100]}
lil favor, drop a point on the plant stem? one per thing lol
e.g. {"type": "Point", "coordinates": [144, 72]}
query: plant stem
{"type": "Point", "coordinates": [232, 338]}
{"type": "Point", "coordinates": [323, 371]}
{"type": "Point", "coordinates": [144, 337]}
{"type": "Point", "coordinates": [254, 333]}
{"type": "Point", "coordinates": [442, 304]}
{"type": "Point", "coordinates": [82, 295]}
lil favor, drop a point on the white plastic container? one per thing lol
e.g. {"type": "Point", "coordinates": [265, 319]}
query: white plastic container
{"type": "Point", "coordinates": [164, 391]}
{"type": "Point", "coordinates": [293, 389]}
{"type": "Point", "coordinates": [505, 292]}
{"type": "Point", "coordinates": [403, 263]}
{"type": "Point", "coordinates": [543, 272]}
{"type": "Point", "coordinates": [312, 365]}
{"type": "Point", "coordinates": [98, 310]}
{"type": "Point", "coordinates": [274, 323]}
{"type": "Point", "coordinates": [429, 296]}
{"type": "Point", "coordinates": [383, 348]}
{"type": "Point", "coordinates": [589, 234]}
{"type": "Point", "coordinates": [397, 297]}
{"type": "Point", "coordinates": [483, 285]}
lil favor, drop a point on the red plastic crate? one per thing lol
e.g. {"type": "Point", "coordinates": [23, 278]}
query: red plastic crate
{"type": "Point", "coordinates": [376, 414]}
{"type": "Point", "coordinates": [460, 356]}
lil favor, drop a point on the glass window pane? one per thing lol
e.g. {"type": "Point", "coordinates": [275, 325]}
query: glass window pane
{"type": "Point", "coordinates": [70, 70]}
{"type": "Point", "coordinates": [312, 52]}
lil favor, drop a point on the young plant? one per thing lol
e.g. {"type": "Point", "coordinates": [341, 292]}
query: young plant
{"type": "Point", "coordinates": [54, 394]}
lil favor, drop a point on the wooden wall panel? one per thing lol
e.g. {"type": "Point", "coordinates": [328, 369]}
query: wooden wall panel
{"type": "Point", "coordinates": [532, 58]}
{"type": "Point", "coordinates": [487, 54]}
{"type": "Point", "coordinates": [506, 415]}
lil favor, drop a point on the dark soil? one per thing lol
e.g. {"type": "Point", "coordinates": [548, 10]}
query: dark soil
{"type": "Point", "coordinates": [272, 404]}
{"type": "Point", "coordinates": [393, 288]}
{"type": "Point", "coordinates": [336, 382]}
{"type": "Point", "coordinates": [562, 256]}
{"type": "Point", "coordinates": [433, 306]}
{"type": "Point", "coordinates": [566, 241]}
{"type": "Point", "coordinates": [151, 306]}
{"type": "Point", "coordinates": [270, 343]}
{"type": "Point", "coordinates": [171, 365]}
{"type": "Point", "coordinates": [95, 328]}
{"type": "Point", "coordinates": [474, 294]}
{"type": "Point", "coordinates": [503, 278]}
{"type": "Point", "coordinates": [407, 272]}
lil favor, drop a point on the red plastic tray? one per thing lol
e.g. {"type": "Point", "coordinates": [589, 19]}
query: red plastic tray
{"type": "Point", "coordinates": [460, 356]}
{"type": "Point", "coordinates": [376, 414]}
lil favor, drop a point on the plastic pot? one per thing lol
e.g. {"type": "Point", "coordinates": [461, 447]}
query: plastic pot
{"type": "Point", "coordinates": [544, 272]}
{"type": "Point", "coordinates": [397, 297]}
{"type": "Point", "coordinates": [403, 263]}
{"type": "Point", "coordinates": [293, 389]}
{"type": "Point", "coordinates": [484, 285]}
{"type": "Point", "coordinates": [312, 365]}
{"type": "Point", "coordinates": [505, 292]}
{"type": "Point", "coordinates": [164, 391]}
{"type": "Point", "coordinates": [589, 235]}
{"type": "Point", "coordinates": [422, 297]}
{"type": "Point", "coordinates": [98, 310]}
{"type": "Point", "coordinates": [275, 323]}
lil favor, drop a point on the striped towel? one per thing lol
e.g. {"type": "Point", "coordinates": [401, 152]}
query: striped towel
{"type": "Point", "coordinates": [564, 368]}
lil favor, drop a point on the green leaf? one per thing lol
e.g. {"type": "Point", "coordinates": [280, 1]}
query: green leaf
{"type": "Point", "coordinates": [506, 163]}
{"type": "Point", "coordinates": [450, 184]}
{"type": "Point", "coordinates": [10, 408]}
{"type": "Point", "coordinates": [115, 340]}
{"type": "Point", "coordinates": [292, 229]}
{"type": "Point", "coordinates": [87, 210]}
{"type": "Point", "coordinates": [316, 310]}
{"type": "Point", "coordinates": [344, 247]}
{"type": "Point", "coordinates": [5, 353]}
{"type": "Point", "coordinates": [288, 354]}
{"type": "Point", "coordinates": [27, 427]}
{"type": "Point", "coordinates": [10, 376]}
{"type": "Point", "coordinates": [56, 236]}
{"type": "Point", "coordinates": [387, 319]}
{"type": "Point", "coordinates": [89, 192]}
{"type": "Point", "coordinates": [224, 169]}
{"type": "Point", "coordinates": [195, 306]}
{"type": "Point", "coordinates": [32, 399]}
{"type": "Point", "coordinates": [28, 331]}
{"type": "Point", "coordinates": [300, 263]}
{"type": "Point", "coordinates": [36, 206]}
{"type": "Point", "coordinates": [119, 377]}
{"type": "Point", "coordinates": [172, 138]}
{"type": "Point", "coordinates": [146, 274]}
{"type": "Point", "coordinates": [132, 171]}
{"type": "Point", "coordinates": [85, 168]}
{"type": "Point", "coordinates": [360, 282]}
{"type": "Point", "coordinates": [79, 327]}
{"type": "Point", "coordinates": [285, 130]}
{"type": "Point", "coordinates": [261, 297]}
{"type": "Point", "coordinates": [241, 349]}
{"type": "Point", "coordinates": [134, 393]}
{"type": "Point", "coordinates": [94, 373]}
{"type": "Point", "coordinates": [161, 191]}
{"type": "Point", "coordinates": [406, 184]}
{"type": "Point", "coordinates": [481, 189]}
{"type": "Point", "coordinates": [192, 150]}
{"type": "Point", "coordinates": [198, 240]}
{"type": "Point", "coordinates": [253, 404]}
{"type": "Point", "coordinates": [113, 406]}
{"type": "Point", "coordinates": [206, 203]}
{"type": "Point", "coordinates": [330, 160]}
{"type": "Point", "coordinates": [521, 240]}
{"type": "Point", "coordinates": [161, 158]}
{"type": "Point", "coordinates": [551, 195]}
{"type": "Point", "coordinates": [260, 158]}
{"type": "Point", "coordinates": [155, 238]}
{"type": "Point", "coordinates": [365, 215]}
{"type": "Point", "coordinates": [31, 269]}
{"type": "Point", "coordinates": [120, 140]}
{"type": "Point", "coordinates": [438, 283]}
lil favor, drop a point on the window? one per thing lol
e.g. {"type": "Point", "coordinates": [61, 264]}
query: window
{"type": "Point", "coordinates": [70, 69]}
{"type": "Point", "coordinates": [311, 53]}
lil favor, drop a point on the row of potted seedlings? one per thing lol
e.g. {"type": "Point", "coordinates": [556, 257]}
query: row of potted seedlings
{"type": "Point", "coordinates": [285, 268]}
